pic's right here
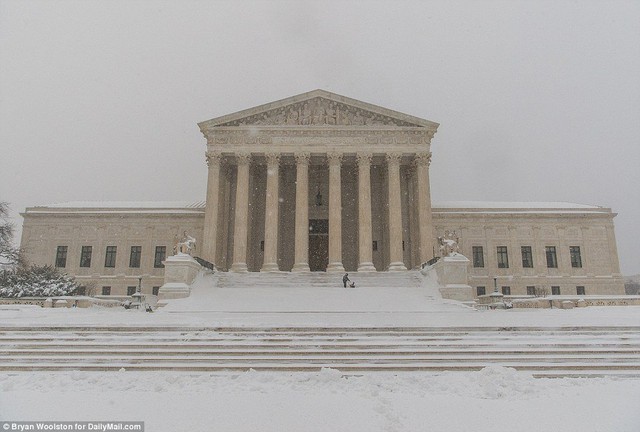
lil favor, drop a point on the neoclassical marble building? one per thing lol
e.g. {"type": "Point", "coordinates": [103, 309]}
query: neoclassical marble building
{"type": "Point", "coordinates": [318, 182]}
{"type": "Point", "coordinates": [322, 182]}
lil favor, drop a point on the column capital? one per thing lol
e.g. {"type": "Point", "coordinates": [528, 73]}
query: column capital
{"type": "Point", "coordinates": [364, 158]}
{"type": "Point", "coordinates": [273, 159]}
{"type": "Point", "coordinates": [393, 158]}
{"type": "Point", "coordinates": [334, 158]}
{"type": "Point", "coordinates": [422, 159]}
{"type": "Point", "coordinates": [243, 159]}
{"type": "Point", "coordinates": [302, 158]}
{"type": "Point", "coordinates": [213, 157]}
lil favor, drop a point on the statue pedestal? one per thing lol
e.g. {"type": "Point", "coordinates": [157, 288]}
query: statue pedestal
{"type": "Point", "coordinates": [451, 272]}
{"type": "Point", "coordinates": [179, 273]}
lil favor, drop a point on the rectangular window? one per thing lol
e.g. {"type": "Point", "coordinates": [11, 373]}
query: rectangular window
{"type": "Point", "coordinates": [161, 253]}
{"type": "Point", "coordinates": [503, 257]}
{"type": "Point", "coordinates": [106, 290]}
{"type": "Point", "coordinates": [155, 290]}
{"type": "Point", "coordinates": [110, 256]}
{"type": "Point", "coordinates": [478, 256]}
{"type": "Point", "coordinates": [506, 290]}
{"type": "Point", "coordinates": [61, 256]}
{"type": "Point", "coordinates": [531, 290]}
{"type": "Point", "coordinates": [576, 258]}
{"type": "Point", "coordinates": [131, 290]}
{"type": "Point", "coordinates": [555, 290]}
{"type": "Point", "coordinates": [85, 256]}
{"type": "Point", "coordinates": [527, 257]}
{"type": "Point", "coordinates": [580, 290]}
{"type": "Point", "coordinates": [552, 259]}
{"type": "Point", "coordinates": [480, 290]}
{"type": "Point", "coordinates": [134, 258]}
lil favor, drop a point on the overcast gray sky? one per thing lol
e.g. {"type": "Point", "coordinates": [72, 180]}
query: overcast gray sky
{"type": "Point", "coordinates": [537, 100]}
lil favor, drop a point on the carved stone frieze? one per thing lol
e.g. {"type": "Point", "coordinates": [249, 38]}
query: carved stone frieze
{"type": "Point", "coordinates": [319, 112]}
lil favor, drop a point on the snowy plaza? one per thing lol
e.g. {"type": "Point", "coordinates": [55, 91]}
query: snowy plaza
{"type": "Point", "coordinates": [260, 358]}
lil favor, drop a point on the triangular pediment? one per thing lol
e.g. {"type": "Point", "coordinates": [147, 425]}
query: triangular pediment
{"type": "Point", "coordinates": [317, 108]}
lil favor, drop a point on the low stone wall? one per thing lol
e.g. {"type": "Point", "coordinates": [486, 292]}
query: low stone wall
{"type": "Point", "coordinates": [64, 301]}
{"type": "Point", "coordinates": [36, 301]}
{"type": "Point", "coordinates": [562, 302]}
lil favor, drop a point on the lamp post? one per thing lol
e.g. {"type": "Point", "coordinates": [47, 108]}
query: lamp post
{"type": "Point", "coordinates": [496, 297]}
{"type": "Point", "coordinates": [138, 293]}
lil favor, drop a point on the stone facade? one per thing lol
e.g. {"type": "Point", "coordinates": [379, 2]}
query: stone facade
{"type": "Point", "coordinates": [486, 225]}
{"type": "Point", "coordinates": [151, 227]}
{"type": "Point", "coordinates": [321, 182]}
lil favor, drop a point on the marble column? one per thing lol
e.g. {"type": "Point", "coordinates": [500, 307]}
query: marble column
{"type": "Point", "coordinates": [335, 213]}
{"type": "Point", "coordinates": [301, 262]}
{"type": "Point", "coordinates": [425, 223]}
{"type": "Point", "coordinates": [210, 234]}
{"type": "Point", "coordinates": [395, 213]}
{"type": "Point", "coordinates": [271, 221]}
{"type": "Point", "coordinates": [242, 214]}
{"type": "Point", "coordinates": [365, 241]}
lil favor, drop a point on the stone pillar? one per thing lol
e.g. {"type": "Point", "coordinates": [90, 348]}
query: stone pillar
{"type": "Point", "coordinates": [301, 263]}
{"type": "Point", "coordinates": [335, 213]}
{"type": "Point", "coordinates": [395, 213]}
{"type": "Point", "coordinates": [364, 213]}
{"type": "Point", "coordinates": [211, 210]}
{"type": "Point", "coordinates": [242, 214]}
{"type": "Point", "coordinates": [271, 215]}
{"type": "Point", "coordinates": [425, 223]}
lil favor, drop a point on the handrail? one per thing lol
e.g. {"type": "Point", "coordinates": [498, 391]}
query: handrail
{"type": "Point", "coordinates": [204, 263]}
{"type": "Point", "coordinates": [431, 262]}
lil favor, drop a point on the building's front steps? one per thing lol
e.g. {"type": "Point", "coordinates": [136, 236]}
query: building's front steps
{"type": "Point", "coordinates": [544, 352]}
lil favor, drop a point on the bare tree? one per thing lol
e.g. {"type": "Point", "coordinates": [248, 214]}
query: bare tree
{"type": "Point", "coordinates": [9, 254]}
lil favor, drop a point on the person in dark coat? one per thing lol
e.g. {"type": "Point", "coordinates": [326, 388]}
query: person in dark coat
{"type": "Point", "coordinates": [345, 279]}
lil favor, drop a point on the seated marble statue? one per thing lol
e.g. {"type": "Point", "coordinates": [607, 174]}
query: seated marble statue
{"type": "Point", "coordinates": [185, 246]}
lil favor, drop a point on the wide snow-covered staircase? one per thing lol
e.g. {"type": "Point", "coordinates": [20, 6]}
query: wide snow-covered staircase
{"type": "Point", "coordinates": [407, 279]}
{"type": "Point", "coordinates": [311, 293]}
{"type": "Point", "coordinates": [545, 352]}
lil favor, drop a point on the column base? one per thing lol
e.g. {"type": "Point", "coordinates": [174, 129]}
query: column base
{"type": "Point", "coordinates": [239, 268]}
{"type": "Point", "coordinates": [336, 267]}
{"type": "Point", "coordinates": [300, 267]}
{"type": "Point", "coordinates": [366, 267]}
{"type": "Point", "coordinates": [270, 267]}
{"type": "Point", "coordinates": [396, 266]}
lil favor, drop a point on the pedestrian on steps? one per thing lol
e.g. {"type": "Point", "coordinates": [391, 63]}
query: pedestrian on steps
{"type": "Point", "coordinates": [345, 279]}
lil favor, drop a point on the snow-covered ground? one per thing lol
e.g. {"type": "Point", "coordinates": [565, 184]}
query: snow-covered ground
{"type": "Point", "coordinates": [493, 399]}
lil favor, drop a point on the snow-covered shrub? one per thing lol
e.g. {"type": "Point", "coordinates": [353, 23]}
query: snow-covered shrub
{"type": "Point", "coordinates": [36, 281]}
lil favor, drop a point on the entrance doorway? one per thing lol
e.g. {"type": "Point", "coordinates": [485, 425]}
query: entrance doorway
{"type": "Point", "coordinates": [318, 244]}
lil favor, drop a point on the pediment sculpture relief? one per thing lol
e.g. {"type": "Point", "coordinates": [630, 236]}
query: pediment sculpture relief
{"type": "Point", "coordinates": [318, 112]}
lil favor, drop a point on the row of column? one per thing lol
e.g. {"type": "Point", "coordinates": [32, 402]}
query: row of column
{"type": "Point", "coordinates": [301, 247]}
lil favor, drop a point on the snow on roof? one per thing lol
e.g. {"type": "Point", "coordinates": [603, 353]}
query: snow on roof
{"type": "Point", "coordinates": [128, 204]}
{"type": "Point", "coordinates": [198, 207]}
{"type": "Point", "coordinates": [120, 207]}
{"type": "Point", "coordinates": [512, 205]}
